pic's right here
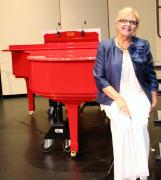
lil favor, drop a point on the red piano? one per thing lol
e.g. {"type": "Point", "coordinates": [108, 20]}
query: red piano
{"type": "Point", "coordinates": [61, 69]}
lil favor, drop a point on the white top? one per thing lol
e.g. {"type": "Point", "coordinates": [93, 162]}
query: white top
{"type": "Point", "coordinates": [129, 82]}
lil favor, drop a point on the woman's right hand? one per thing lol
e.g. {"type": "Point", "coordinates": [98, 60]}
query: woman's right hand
{"type": "Point", "coordinates": [122, 105]}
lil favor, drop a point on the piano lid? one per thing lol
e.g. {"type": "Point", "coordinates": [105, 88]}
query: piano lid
{"type": "Point", "coordinates": [64, 40]}
{"type": "Point", "coordinates": [68, 46]}
{"type": "Point", "coordinates": [71, 36]}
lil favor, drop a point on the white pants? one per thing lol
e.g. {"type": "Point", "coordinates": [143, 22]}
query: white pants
{"type": "Point", "coordinates": [130, 137]}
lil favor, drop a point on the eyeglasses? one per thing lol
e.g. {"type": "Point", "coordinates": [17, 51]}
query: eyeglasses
{"type": "Point", "coordinates": [125, 21]}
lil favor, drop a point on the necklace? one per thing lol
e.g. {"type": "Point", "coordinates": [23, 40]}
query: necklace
{"type": "Point", "coordinates": [119, 46]}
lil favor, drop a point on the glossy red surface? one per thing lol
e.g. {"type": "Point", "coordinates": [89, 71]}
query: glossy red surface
{"type": "Point", "coordinates": [61, 69]}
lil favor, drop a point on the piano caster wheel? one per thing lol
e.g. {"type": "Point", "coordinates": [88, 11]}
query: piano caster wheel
{"type": "Point", "coordinates": [31, 112]}
{"type": "Point", "coordinates": [73, 154]}
{"type": "Point", "coordinates": [66, 145]}
{"type": "Point", "coordinates": [47, 145]}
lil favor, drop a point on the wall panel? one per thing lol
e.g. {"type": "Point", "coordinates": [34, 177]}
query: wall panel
{"type": "Point", "coordinates": [22, 22]}
{"type": "Point", "coordinates": [94, 12]}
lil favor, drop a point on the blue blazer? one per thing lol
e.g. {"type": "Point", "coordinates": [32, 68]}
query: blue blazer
{"type": "Point", "coordinates": [108, 65]}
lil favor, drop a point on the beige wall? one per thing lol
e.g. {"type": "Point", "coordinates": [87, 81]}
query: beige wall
{"type": "Point", "coordinates": [22, 22]}
{"type": "Point", "coordinates": [94, 12]}
{"type": "Point", "coordinates": [158, 39]}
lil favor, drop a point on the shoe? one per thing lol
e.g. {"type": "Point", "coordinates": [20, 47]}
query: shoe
{"type": "Point", "coordinates": [143, 178]}
{"type": "Point", "coordinates": [66, 145]}
{"type": "Point", "coordinates": [47, 145]}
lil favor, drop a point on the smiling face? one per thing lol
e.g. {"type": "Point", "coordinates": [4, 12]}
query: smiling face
{"type": "Point", "coordinates": [126, 22]}
{"type": "Point", "coordinates": [126, 26]}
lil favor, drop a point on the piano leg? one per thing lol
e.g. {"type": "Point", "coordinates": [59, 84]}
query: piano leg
{"type": "Point", "coordinates": [31, 98]}
{"type": "Point", "coordinates": [72, 111]}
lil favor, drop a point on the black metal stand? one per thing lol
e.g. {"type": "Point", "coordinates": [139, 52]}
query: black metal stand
{"type": "Point", "coordinates": [158, 154]}
{"type": "Point", "coordinates": [157, 122]}
{"type": "Point", "coordinates": [58, 130]}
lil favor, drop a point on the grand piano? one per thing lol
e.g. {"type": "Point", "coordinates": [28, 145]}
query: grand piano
{"type": "Point", "coordinates": [61, 69]}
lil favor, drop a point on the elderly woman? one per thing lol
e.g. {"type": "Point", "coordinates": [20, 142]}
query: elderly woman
{"type": "Point", "coordinates": [127, 92]}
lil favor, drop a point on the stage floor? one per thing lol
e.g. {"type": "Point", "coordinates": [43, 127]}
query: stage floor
{"type": "Point", "coordinates": [21, 137]}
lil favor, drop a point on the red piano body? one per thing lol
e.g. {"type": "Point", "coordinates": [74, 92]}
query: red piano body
{"type": "Point", "coordinates": [60, 69]}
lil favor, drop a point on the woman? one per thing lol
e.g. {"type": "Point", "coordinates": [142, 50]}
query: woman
{"type": "Point", "coordinates": [127, 92]}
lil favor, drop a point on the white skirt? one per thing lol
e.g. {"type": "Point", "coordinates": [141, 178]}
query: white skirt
{"type": "Point", "coordinates": [130, 137]}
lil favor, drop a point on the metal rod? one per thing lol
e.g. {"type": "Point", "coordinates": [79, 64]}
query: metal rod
{"type": "Point", "coordinates": [158, 18]}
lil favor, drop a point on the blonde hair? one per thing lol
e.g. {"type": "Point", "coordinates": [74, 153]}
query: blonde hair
{"type": "Point", "coordinates": [128, 11]}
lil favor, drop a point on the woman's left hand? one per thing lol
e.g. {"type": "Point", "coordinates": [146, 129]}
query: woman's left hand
{"type": "Point", "coordinates": [152, 107]}
{"type": "Point", "coordinates": [154, 100]}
